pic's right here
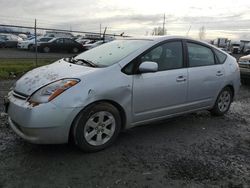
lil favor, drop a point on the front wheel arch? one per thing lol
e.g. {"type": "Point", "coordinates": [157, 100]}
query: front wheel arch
{"type": "Point", "coordinates": [115, 104]}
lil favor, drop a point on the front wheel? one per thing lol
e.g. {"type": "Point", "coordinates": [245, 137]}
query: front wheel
{"type": "Point", "coordinates": [46, 49]}
{"type": "Point", "coordinates": [223, 102]}
{"type": "Point", "coordinates": [96, 127]}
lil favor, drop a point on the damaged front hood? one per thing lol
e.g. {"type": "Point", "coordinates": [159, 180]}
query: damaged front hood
{"type": "Point", "coordinates": [37, 78]}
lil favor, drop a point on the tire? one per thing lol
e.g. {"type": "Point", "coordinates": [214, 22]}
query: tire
{"type": "Point", "coordinates": [75, 50]}
{"type": "Point", "coordinates": [3, 45]}
{"type": "Point", "coordinates": [223, 102]}
{"type": "Point", "coordinates": [46, 49]}
{"type": "Point", "coordinates": [96, 127]}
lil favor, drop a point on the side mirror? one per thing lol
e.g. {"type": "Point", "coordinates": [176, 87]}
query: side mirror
{"type": "Point", "coordinates": [148, 66]}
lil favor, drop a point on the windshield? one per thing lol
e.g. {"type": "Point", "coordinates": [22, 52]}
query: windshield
{"type": "Point", "coordinates": [112, 52]}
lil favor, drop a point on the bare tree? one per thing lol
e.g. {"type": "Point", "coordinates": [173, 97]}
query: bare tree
{"type": "Point", "coordinates": [158, 31]}
{"type": "Point", "coordinates": [202, 33]}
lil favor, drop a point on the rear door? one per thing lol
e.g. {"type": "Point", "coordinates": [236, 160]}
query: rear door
{"type": "Point", "coordinates": [164, 92]}
{"type": "Point", "coordinates": [205, 75]}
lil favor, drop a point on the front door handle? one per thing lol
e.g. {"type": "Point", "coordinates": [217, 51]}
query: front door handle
{"type": "Point", "coordinates": [181, 79]}
{"type": "Point", "coordinates": [219, 73]}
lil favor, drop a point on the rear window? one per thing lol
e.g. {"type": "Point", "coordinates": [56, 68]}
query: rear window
{"type": "Point", "coordinates": [221, 56]}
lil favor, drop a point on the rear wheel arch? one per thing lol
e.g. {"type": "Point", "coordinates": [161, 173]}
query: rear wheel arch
{"type": "Point", "coordinates": [231, 88]}
{"type": "Point", "coordinates": [223, 101]}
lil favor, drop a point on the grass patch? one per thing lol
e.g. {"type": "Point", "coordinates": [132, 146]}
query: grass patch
{"type": "Point", "coordinates": [12, 68]}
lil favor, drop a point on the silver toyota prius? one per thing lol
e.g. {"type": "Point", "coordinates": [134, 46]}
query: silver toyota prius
{"type": "Point", "coordinates": [88, 99]}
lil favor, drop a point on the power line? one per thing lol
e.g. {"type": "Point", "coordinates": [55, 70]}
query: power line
{"type": "Point", "coordinates": [61, 30]}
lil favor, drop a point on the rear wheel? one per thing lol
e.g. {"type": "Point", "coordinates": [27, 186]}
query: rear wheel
{"type": "Point", "coordinates": [96, 127]}
{"type": "Point", "coordinates": [46, 49]}
{"type": "Point", "coordinates": [223, 102]}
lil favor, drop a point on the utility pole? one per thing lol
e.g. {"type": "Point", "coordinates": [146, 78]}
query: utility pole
{"type": "Point", "coordinates": [35, 43]}
{"type": "Point", "coordinates": [100, 29]}
{"type": "Point", "coordinates": [164, 20]}
{"type": "Point", "coordinates": [189, 30]}
{"type": "Point", "coordinates": [104, 33]}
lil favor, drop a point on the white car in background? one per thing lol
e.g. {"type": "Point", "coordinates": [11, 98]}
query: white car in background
{"type": "Point", "coordinates": [28, 44]}
{"type": "Point", "coordinates": [89, 46]}
{"type": "Point", "coordinates": [10, 40]}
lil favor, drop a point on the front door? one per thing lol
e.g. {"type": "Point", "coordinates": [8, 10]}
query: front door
{"type": "Point", "coordinates": [164, 92]}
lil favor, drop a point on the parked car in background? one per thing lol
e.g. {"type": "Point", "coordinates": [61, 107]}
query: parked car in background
{"type": "Point", "coordinates": [60, 45]}
{"type": "Point", "coordinates": [90, 45]}
{"type": "Point", "coordinates": [83, 40]}
{"type": "Point", "coordinates": [88, 99]}
{"type": "Point", "coordinates": [9, 40]}
{"type": "Point", "coordinates": [23, 36]}
{"type": "Point", "coordinates": [29, 44]}
{"type": "Point", "coordinates": [58, 34]}
{"type": "Point", "coordinates": [2, 43]}
{"type": "Point", "coordinates": [244, 64]}
{"type": "Point", "coordinates": [235, 47]}
{"type": "Point", "coordinates": [246, 49]}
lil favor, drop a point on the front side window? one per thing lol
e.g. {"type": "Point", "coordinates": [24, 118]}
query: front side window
{"type": "Point", "coordinates": [168, 56]}
{"type": "Point", "coordinates": [199, 55]}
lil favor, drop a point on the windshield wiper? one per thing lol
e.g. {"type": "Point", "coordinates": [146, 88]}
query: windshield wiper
{"type": "Point", "coordinates": [88, 62]}
{"type": "Point", "coordinates": [69, 59]}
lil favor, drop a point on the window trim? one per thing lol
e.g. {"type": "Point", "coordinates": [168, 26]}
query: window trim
{"type": "Point", "coordinates": [136, 61]}
{"type": "Point", "coordinates": [186, 41]}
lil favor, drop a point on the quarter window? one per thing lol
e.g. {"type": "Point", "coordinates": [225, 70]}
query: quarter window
{"type": "Point", "coordinates": [221, 56]}
{"type": "Point", "coordinates": [199, 55]}
{"type": "Point", "coordinates": [168, 56]}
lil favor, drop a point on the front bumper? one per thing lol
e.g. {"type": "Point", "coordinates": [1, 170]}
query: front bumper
{"type": "Point", "coordinates": [21, 46]}
{"type": "Point", "coordinates": [42, 124]}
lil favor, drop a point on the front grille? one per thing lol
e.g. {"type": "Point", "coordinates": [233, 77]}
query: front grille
{"type": "Point", "coordinates": [244, 66]}
{"type": "Point", "coordinates": [19, 95]}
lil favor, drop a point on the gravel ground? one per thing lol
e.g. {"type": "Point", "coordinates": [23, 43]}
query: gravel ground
{"type": "Point", "coordinates": [194, 150]}
{"type": "Point", "coordinates": [12, 53]}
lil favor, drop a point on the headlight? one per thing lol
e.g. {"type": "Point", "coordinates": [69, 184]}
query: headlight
{"type": "Point", "coordinates": [51, 91]}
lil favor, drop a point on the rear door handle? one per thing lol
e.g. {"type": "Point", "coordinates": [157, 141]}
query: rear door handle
{"type": "Point", "coordinates": [181, 79]}
{"type": "Point", "coordinates": [219, 73]}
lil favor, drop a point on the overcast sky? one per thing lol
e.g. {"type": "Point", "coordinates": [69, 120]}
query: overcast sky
{"type": "Point", "coordinates": [221, 18]}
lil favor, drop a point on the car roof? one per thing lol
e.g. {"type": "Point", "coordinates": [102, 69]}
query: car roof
{"type": "Point", "coordinates": [157, 38]}
{"type": "Point", "coordinates": [164, 38]}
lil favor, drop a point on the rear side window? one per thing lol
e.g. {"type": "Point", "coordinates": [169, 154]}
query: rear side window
{"type": "Point", "coordinates": [221, 56]}
{"type": "Point", "coordinates": [199, 55]}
